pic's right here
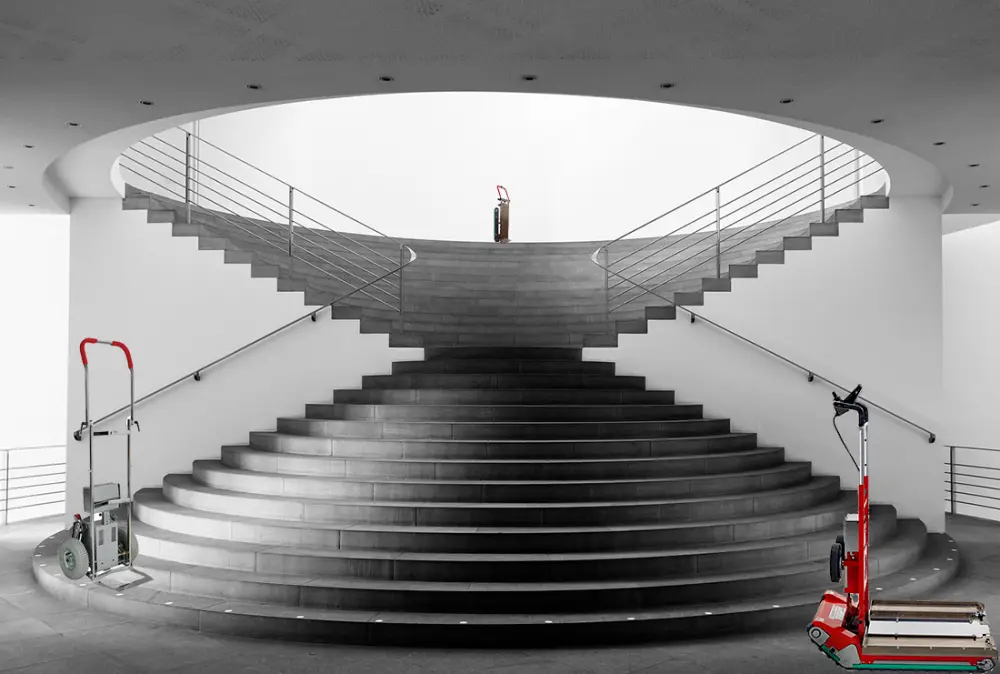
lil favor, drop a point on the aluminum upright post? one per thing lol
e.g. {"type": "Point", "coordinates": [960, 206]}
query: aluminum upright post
{"type": "Point", "coordinates": [857, 176]}
{"type": "Point", "coordinates": [291, 222]}
{"type": "Point", "coordinates": [607, 286]}
{"type": "Point", "coordinates": [187, 174]}
{"type": "Point", "coordinates": [402, 252]}
{"type": "Point", "coordinates": [951, 475]}
{"type": "Point", "coordinates": [718, 232]}
{"type": "Point", "coordinates": [822, 178]}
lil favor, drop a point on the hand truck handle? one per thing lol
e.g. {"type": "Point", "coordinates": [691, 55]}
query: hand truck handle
{"type": "Point", "coordinates": [505, 195]}
{"type": "Point", "coordinates": [92, 340]}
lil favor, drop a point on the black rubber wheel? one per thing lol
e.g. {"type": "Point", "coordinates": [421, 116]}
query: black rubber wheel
{"type": "Point", "coordinates": [836, 562]}
{"type": "Point", "coordinates": [840, 539]}
{"type": "Point", "coordinates": [123, 545]}
{"type": "Point", "coordinates": [73, 559]}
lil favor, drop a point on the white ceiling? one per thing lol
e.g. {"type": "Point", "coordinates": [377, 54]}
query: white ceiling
{"type": "Point", "coordinates": [929, 68]}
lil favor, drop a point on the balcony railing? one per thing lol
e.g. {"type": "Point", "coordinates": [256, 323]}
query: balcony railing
{"type": "Point", "coordinates": [972, 481]}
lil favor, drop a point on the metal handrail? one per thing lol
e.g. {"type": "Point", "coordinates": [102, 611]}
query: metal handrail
{"type": "Point", "coordinates": [811, 373]}
{"type": "Point", "coordinates": [7, 481]}
{"type": "Point", "coordinates": [709, 191]}
{"type": "Point", "coordinates": [953, 483]}
{"type": "Point", "coordinates": [196, 374]}
{"type": "Point", "coordinates": [719, 250]}
{"type": "Point", "coordinates": [252, 224]}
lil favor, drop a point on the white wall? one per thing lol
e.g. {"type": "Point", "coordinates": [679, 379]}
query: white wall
{"type": "Point", "coordinates": [972, 360]}
{"type": "Point", "coordinates": [864, 307]}
{"type": "Point", "coordinates": [426, 165]}
{"type": "Point", "coordinates": [178, 308]}
{"type": "Point", "coordinates": [34, 305]}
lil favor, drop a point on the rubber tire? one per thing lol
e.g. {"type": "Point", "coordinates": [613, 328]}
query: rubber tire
{"type": "Point", "coordinates": [836, 562]}
{"type": "Point", "coordinates": [122, 550]}
{"type": "Point", "coordinates": [74, 560]}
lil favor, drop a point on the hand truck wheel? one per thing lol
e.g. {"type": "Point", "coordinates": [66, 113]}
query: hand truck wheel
{"type": "Point", "coordinates": [73, 558]}
{"type": "Point", "coordinates": [123, 545]}
{"type": "Point", "coordinates": [837, 560]}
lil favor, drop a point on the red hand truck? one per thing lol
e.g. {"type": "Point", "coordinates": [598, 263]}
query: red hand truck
{"type": "Point", "coordinates": [98, 544]}
{"type": "Point", "coordinates": [501, 217]}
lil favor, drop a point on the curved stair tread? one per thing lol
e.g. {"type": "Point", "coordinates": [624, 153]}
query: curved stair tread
{"type": "Point", "coordinates": [880, 525]}
{"type": "Point", "coordinates": [154, 498]}
{"type": "Point", "coordinates": [185, 481]}
{"type": "Point", "coordinates": [786, 467]}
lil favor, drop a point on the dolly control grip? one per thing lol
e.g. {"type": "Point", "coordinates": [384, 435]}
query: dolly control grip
{"type": "Point", "coordinates": [128, 354]}
{"type": "Point", "coordinates": [83, 348]}
{"type": "Point", "coordinates": [505, 195]}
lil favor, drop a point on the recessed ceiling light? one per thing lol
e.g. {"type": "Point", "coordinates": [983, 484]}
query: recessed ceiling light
{"type": "Point", "coordinates": [667, 85]}
{"type": "Point", "coordinates": [11, 187]}
{"type": "Point", "coordinates": [72, 123]}
{"type": "Point", "coordinates": [31, 205]}
{"type": "Point", "coordinates": [973, 165]}
{"type": "Point", "coordinates": [877, 121]}
{"type": "Point", "coordinates": [786, 101]}
{"type": "Point", "coordinates": [255, 87]}
{"type": "Point", "coordinates": [983, 187]}
{"type": "Point", "coordinates": [30, 147]}
{"type": "Point", "coordinates": [8, 167]}
{"type": "Point", "coordinates": [975, 204]}
{"type": "Point", "coordinates": [387, 78]}
{"type": "Point", "coordinates": [145, 102]}
{"type": "Point", "coordinates": [940, 142]}
{"type": "Point", "coordinates": [529, 78]}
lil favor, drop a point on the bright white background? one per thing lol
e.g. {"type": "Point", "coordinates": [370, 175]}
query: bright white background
{"type": "Point", "coordinates": [426, 165]}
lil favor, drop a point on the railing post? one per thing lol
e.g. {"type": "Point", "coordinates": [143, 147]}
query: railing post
{"type": "Point", "coordinates": [607, 286]}
{"type": "Point", "coordinates": [951, 468]}
{"type": "Point", "coordinates": [857, 175]}
{"type": "Point", "coordinates": [6, 486]}
{"type": "Point", "coordinates": [187, 174]}
{"type": "Point", "coordinates": [291, 222]}
{"type": "Point", "coordinates": [402, 253]}
{"type": "Point", "coordinates": [718, 232]}
{"type": "Point", "coordinates": [822, 178]}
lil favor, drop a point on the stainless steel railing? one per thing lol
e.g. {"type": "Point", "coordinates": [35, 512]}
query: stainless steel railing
{"type": "Point", "coordinates": [827, 190]}
{"type": "Point", "coordinates": [170, 170]}
{"type": "Point", "coordinates": [32, 482]}
{"type": "Point", "coordinates": [798, 185]}
{"type": "Point", "coordinates": [972, 480]}
{"type": "Point", "coordinates": [283, 224]}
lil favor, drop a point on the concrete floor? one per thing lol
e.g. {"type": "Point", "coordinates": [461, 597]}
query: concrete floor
{"type": "Point", "coordinates": [39, 635]}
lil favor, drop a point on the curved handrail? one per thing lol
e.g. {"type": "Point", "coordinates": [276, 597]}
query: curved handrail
{"type": "Point", "coordinates": [788, 361]}
{"type": "Point", "coordinates": [196, 374]}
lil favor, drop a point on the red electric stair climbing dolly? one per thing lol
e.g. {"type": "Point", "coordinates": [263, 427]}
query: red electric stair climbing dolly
{"type": "Point", "coordinates": [501, 217]}
{"type": "Point", "coordinates": [858, 633]}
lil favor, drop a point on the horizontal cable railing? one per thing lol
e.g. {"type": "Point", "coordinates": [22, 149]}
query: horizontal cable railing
{"type": "Point", "coordinates": [972, 480]}
{"type": "Point", "coordinates": [800, 184]}
{"type": "Point", "coordinates": [828, 188]}
{"type": "Point", "coordinates": [32, 482]}
{"type": "Point", "coordinates": [245, 209]}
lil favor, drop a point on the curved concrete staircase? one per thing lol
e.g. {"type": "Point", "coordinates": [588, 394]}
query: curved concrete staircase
{"type": "Point", "coordinates": [496, 496]}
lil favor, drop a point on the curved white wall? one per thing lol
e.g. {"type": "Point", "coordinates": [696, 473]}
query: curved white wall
{"type": "Point", "coordinates": [425, 165]}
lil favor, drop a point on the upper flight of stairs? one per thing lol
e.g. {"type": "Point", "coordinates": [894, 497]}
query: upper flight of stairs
{"type": "Point", "coordinates": [492, 496]}
{"type": "Point", "coordinates": [463, 293]}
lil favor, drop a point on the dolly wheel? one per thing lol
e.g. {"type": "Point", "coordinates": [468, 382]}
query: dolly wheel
{"type": "Point", "coordinates": [122, 546]}
{"type": "Point", "coordinates": [836, 562]}
{"type": "Point", "coordinates": [73, 559]}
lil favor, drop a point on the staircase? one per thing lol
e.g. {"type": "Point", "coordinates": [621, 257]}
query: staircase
{"type": "Point", "coordinates": [499, 495]}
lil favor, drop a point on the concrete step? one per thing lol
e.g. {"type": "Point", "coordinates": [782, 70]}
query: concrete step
{"type": "Point", "coordinates": [241, 457]}
{"type": "Point", "coordinates": [510, 330]}
{"type": "Point", "coordinates": [500, 430]}
{"type": "Point", "coordinates": [154, 509]}
{"type": "Point", "coordinates": [184, 490]}
{"type": "Point", "coordinates": [782, 609]}
{"type": "Point", "coordinates": [346, 593]}
{"type": "Point", "coordinates": [552, 339]}
{"type": "Point", "coordinates": [502, 381]}
{"type": "Point", "coordinates": [481, 413]}
{"type": "Point", "coordinates": [510, 353]}
{"type": "Point", "coordinates": [530, 492]}
{"type": "Point", "coordinates": [502, 397]}
{"type": "Point", "coordinates": [286, 443]}
{"type": "Point", "coordinates": [673, 563]}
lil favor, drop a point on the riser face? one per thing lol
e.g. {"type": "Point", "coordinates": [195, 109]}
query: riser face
{"type": "Point", "coordinates": [501, 430]}
{"type": "Point", "coordinates": [510, 353]}
{"type": "Point", "coordinates": [501, 397]}
{"type": "Point", "coordinates": [153, 510]}
{"type": "Point", "coordinates": [499, 450]}
{"type": "Point", "coordinates": [485, 413]}
{"type": "Point", "coordinates": [470, 366]}
{"type": "Point", "coordinates": [179, 490]}
{"type": "Point", "coordinates": [215, 475]}
{"type": "Point", "coordinates": [571, 469]}
{"type": "Point", "coordinates": [510, 381]}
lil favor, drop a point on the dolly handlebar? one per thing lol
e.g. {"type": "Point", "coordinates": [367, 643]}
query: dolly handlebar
{"type": "Point", "coordinates": [505, 196]}
{"type": "Point", "coordinates": [92, 340]}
